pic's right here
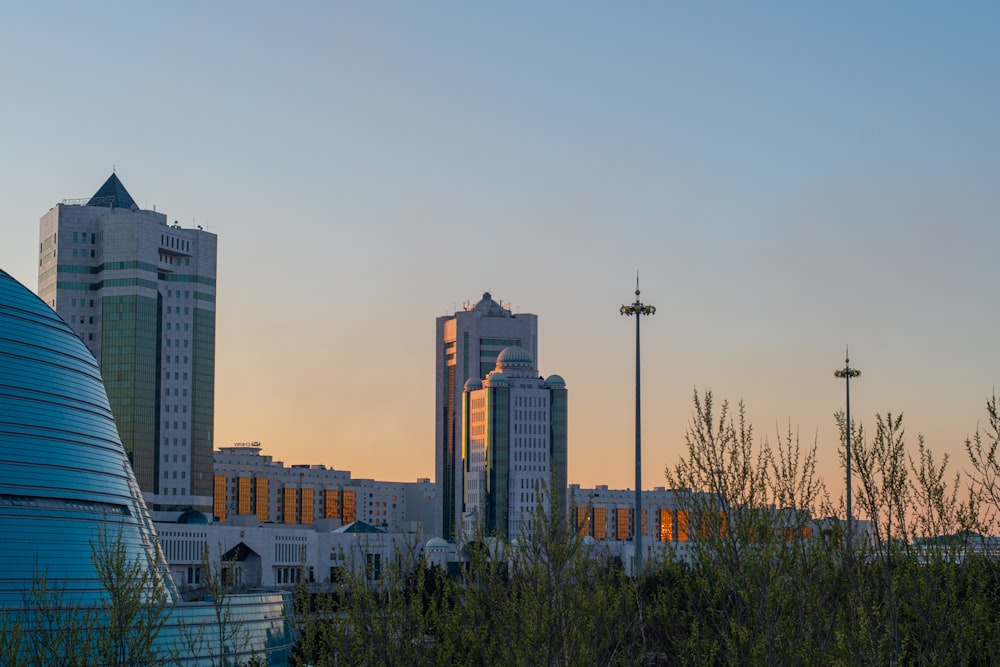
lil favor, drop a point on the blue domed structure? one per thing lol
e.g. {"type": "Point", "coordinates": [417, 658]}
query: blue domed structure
{"type": "Point", "coordinates": [473, 384]}
{"type": "Point", "coordinates": [64, 475]}
{"type": "Point", "coordinates": [193, 517]}
{"type": "Point", "coordinates": [67, 489]}
{"type": "Point", "coordinates": [514, 355]}
{"type": "Point", "coordinates": [496, 379]}
{"type": "Point", "coordinates": [554, 381]}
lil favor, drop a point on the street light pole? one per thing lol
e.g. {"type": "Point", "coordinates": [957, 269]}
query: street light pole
{"type": "Point", "coordinates": [637, 308]}
{"type": "Point", "coordinates": [847, 373]}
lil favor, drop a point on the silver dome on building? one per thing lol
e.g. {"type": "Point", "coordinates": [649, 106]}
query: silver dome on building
{"type": "Point", "coordinates": [555, 381]}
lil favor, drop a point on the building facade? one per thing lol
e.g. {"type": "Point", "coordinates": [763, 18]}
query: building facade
{"type": "Point", "coordinates": [141, 295]}
{"type": "Point", "coordinates": [251, 486]}
{"type": "Point", "coordinates": [513, 446]}
{"type": "Point", "coordinates": [467, 345]}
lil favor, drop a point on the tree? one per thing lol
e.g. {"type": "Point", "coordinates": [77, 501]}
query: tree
{"type": "Point", "coordinates": [137, 603]}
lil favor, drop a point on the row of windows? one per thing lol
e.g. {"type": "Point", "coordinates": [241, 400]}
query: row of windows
{"type": "Point", "coordinates": [167, 408]}
{"type": "Point", "coordinates": [108, 282]}
{"type": "Point", "coordinates": [166, 458]}
{"type": "Point", "coordinates": [106, 266]}
{"type": "Point", "coordinates": [169, 259]}
{"type": "Point", "coordinates": [187, 278]}
{"type": "Point", "coordinates": [531, 402]}
{"type": "Point", "coordinates": [292, 575]}
{"type": "Point", "coordinates": [166, 474]}
{"type": "Point", "coordinates": [175, 342]}
{"type": "Point", "coordinates": [175, 243]}
{"type": "Point", "coordinates": [184, 425]}
{"type": "Point", "coordinates": [82, 236]}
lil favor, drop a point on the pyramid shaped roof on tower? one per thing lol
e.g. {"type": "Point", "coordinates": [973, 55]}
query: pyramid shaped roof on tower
{"type": "Point", "coordinates": [112, 195]}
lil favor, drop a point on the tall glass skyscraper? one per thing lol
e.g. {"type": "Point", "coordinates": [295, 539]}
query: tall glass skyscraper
{"type": "Point", "coordinates": [140, 293]}
{"type": "Point", "coordinates": [467, 344]}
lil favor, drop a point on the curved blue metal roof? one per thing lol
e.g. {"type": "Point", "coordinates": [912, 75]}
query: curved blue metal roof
{"type": "Point", "coordinates": [66, 488]}
{"type": "Point", "coordinates": [65, 479]}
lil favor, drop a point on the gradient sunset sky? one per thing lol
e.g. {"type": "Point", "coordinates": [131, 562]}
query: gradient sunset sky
{"type": "Point", "coordinates": [788, 178]}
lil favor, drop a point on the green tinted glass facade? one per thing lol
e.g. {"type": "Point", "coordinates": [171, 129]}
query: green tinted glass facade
{"type": "Point", "coordinates": [129, 365]}
{"type": "Point", "coordinates": [202, 401]}
{"type": "Point", "coordinates": [497, 458]}
{"type": "Point", "coordinates": [557, 440]}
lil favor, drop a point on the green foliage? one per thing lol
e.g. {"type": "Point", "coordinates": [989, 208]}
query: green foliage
{"type": "Point", "coordinates": [768, 578]}
{"type": "Point", "coordinates": [136, 607]}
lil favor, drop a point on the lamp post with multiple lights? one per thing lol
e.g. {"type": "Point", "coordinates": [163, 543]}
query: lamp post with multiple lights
{"type": "Point", "coordinates": [847, 373]}
{"type": "Point", "coordinates": [637, 308]}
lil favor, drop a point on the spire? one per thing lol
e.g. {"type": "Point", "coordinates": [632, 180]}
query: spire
{"type": "Point", "coordinates": [112, 195]}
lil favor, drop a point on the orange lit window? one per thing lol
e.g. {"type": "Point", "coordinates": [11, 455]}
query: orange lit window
{"type": "Point", "coordinates": [331, 504]}
{"type": "Point", "coordinates": [600, 523]}
{"type": "Point", "coordinates": [682, 525]}
{"type": "Point", "coordinates": [261, 499]}
{"type": "Point", "coordinates": [219, 497]}
{"type": "Point", "coordinates": [582, 521]}
{"type": "Point", "coordinates": [624, 527]}
{"type": "Point", "coordinates": [348, 507]}
{"type": "Point", "coordinates": [666, 525]}
{"type": "Point", "coordinates": [712, 524]}
{"type": "Point", "coordinates": [243, 496]}
{"type": "Point", "coordinates": [307, 506]}
{"type": "Point", "coordinates": [288, 513]}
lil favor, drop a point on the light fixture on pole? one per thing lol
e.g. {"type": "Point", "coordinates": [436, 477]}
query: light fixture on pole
{"type": "Point", "coordinates": [847, 373]}
{"type": "Point", "coordinates": [637, 308]}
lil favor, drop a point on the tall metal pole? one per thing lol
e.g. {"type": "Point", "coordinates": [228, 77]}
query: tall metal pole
{"type": "Point", "coordinates": [637, 309]}
{"type": "Point", "coordinates": [847, 373]}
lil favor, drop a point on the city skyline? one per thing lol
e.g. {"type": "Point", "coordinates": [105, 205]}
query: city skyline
{"type": "Point", "coordinates": [788, 181]}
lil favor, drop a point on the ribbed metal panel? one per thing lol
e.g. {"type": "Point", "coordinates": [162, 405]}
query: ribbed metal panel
{"type": "Point", "coordinates": [65, 480]}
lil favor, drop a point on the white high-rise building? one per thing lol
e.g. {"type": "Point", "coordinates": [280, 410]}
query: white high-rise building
{"type": "Point", "coordinates": [467, 345]}
{"type": "Point", "coordinates": [513, 446]}
{"type": "Point", "coordinates": [141, 294]}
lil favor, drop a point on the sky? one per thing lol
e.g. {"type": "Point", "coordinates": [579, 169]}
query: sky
{"type": "Point", "coordinates": [787, 179]}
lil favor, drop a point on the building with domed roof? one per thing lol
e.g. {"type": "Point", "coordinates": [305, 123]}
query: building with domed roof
{"type": "Point", "coordinates": [467, 346]}
{"type": "Point", "coordinates": [513, 446]}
